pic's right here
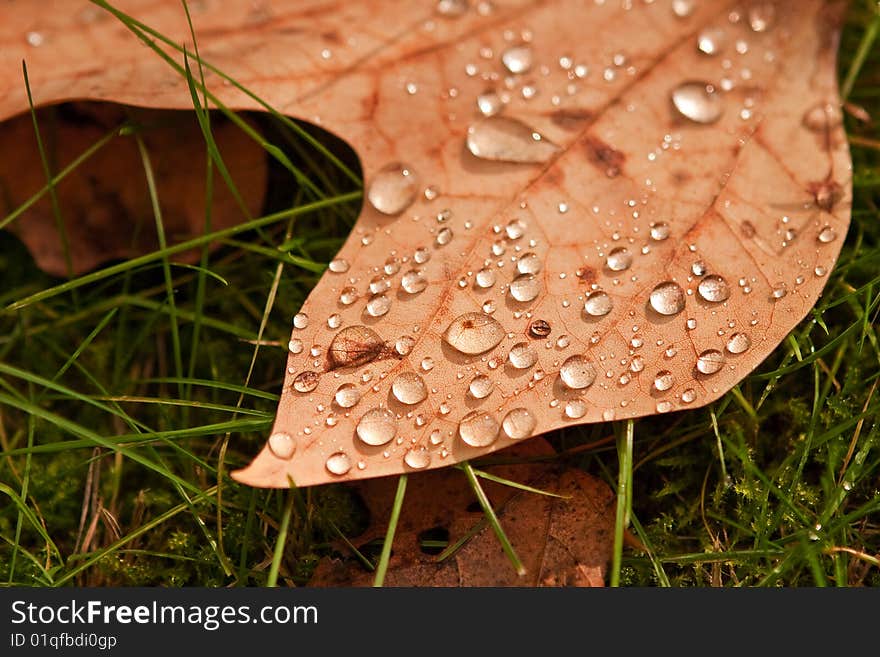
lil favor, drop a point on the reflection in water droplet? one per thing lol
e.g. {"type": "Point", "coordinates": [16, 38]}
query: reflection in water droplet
{"type": "Point", "coordinates": [489, 103]}
{"type": "Point", "coordinates": [667, 298]}
{"type": "Point", "coordinates": [404, 345]}
{"type": "Point", "coordinates": [444, 236]}
{"type": "Point", "coordinates": [525, 287]}
{"type": "Point", "coordinates": [515, 229]}
{"type": "Point", "coordinates": [485, 278]}
{"type": "Point", "coordinates": [355, 345]}
{"type": "Point", "coordinates": [409, 388]}
{"type": "Point", "coordinates": [575, 409]}
{"type": "Point", "coordinates": [414, 281]}
{"type": "Point", "coordinates": [664, 380]}
{"type": "Point", "coordinates": [338, 463]}
{"type": "Point", "coordinates": [334, 321]}
{"type": "Point", "coordinates": [300, 320]}
{"type": "Point", "coordinates": [347, 395]}
{"type": "Point", "coordinates": [539, 329]}
{"type": "Point", "coordinates": [508, 140]}
{"type": "Point", "coordinates": [528, 263]}
{"type": "Point", "coordinates": [688, 395]}
{"type": "Point", "coordinates": [379, 284]}
{"type": "Point", "coordinates": [827, 234]}
{"type": "Point", "coordinates": [282, 445]}
{"type": "Point", "coordinates": [377, 426]}
{"type": "Point", "coordinates": [778, 291]}
{"type": "Point", "coordinates": [619, 259]}
{"type": "Point", "coordinates": [698, 101]}
{"type": "Point", "coordinates": [338, 266]}
{"type": "Point", "coordinates": [659, 231]}
{"type": "Point", "coordinates": [711, 40]}
{"type": "Point", "coordinates": [577, 372]}
{"type": "Point", "coordinates": [522, 356]}
{"type": "Point", "coordinates": [699, 268]}
{"type": "Point", "coordinates": [478, 429]}
{"type": "Point", "coordinates": [295, 346]}
{"type": "Point", "coordinates": [417, 458]}
{"type": "Point", "coordinates": [481, 386]}
{"type": "Point", "coordinates": [738, 343]}
{"type": "Point", "coordinates": [714, 288]}
{"type": "Point", "coordinates": [597, 303]}
{"type": "Point", "coordinates": [473, 333]}
{"type": "Point", "coordinates": [378, 305]}
{"type": "Point", "coordinates": [348, 295]}
{"type": "Point", "coordinates": [393, 188]}
{"type": "Point", "coordinates": [306, 381]}
{"type": "Point", "coordinates": [519, 423]}
{"type": "Point", "coordinates": [517, 59]}
{"type": "Point", "coordinates": [710, 361]}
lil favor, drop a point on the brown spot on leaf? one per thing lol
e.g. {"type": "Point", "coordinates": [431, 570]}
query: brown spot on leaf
{"type": "Point", "coordinates": [570, 119]}
{"type": "Point", "coordinates": [607, 159]}
{"type": "Point", "coordinates": [586, 274]}
{"type": "Point", "coordinates": [826, 194]}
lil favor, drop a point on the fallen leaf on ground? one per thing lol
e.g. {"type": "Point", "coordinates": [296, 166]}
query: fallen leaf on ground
{"type": "Point", "coordinates": [575, 212]}
{"type": "Point", "coordinates": [561, 541]}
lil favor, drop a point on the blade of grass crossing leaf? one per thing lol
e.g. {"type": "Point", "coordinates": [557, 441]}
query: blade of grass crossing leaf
{"type": "Point", "coordinates": [624, 499]}
{"type": "Point", "coordinates": [492, 518]}
{"type": "Point", "coordinates": [385, 555]}
{"type": "Point", "coordinates": [515, 484]}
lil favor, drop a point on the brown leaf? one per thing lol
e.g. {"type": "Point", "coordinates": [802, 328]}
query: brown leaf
{"type": "Point", "coordinates": [561, 542]}
{"type": "Point", "coordinates": [105, 202]}
{"type": "Point", "coordinates": [688, 194]}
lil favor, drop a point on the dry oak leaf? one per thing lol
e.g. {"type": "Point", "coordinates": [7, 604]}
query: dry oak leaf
{"type": "Point", "coordinates": [110, 187]}
{"type": "Point", "coordinates": [560, 541]}
{"type": "Point", "coordinates": [576, 211]}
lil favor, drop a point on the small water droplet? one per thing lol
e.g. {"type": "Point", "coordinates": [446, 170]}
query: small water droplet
{"type": "Point", "coordinates": [525, 287]}
{"type": "Point", "coordinates": [427, 364]}
{"type": "Point", "coordinates": [393, 188]}
{"type": "Point", "coordinates": [664, 380]}
{"type": "Point", "coordinates": [522, 356]}
{"type": "Point", "coordinates": [404, 345]}
{"type": "Point", "coordinates": [377, 426]}
{"type": "Point", "coordinates": [409, 388]}
{"type": "Point", "coordinates": [664, 406]}
{"type": "Point", "coordinates": [667, 298]}
{"type": "Point", "coordinates": [619, 259]}
{"type": "Point", "coordinates": [659, 231]}
{"type": "Point", "coordinates": [698, 101]}
{"type": "Point", "coordinates": [575, 409]}
{"type": "Point", "coordinates": [823, 117]}
{"type": "Point", "coordinates": [417, 458]}
{"type": "Point", "coordinates": [300, 321]}
{"type": "Point", "coordinates": [637, 364]}
{"type": "Point", "coordinates": [452, 8]}
{"type": "Point", "coordinates": [355, 345]}
{"type": "Point", "coordinates": [688, 396]}
{"type": "Point", "coordinates": [379, 284]}
{"type": "Point", "coordinates": [295, 346]}
{"type": "Point", "coordinates": [334, 321]}
{"type": "Point", "coordinates": [597, 303]}
{"type": "Point", "coordinates": [762, 16]}
{"type": "Point", "coordinates": [489, 103]}
{"type": "Point", "coordinates": [514, 230]}
{"type": "Point", "coordinates": [528, 263]}
{"type": "Point", "coordinates": [347, 395]}
{"type": "Point", "coordinates": [473, 333]}
{"type": "Point", "coordinates": [485, 278]}
{"type": "Point", "coordinates": [348, 295]}
{"type": "Point", "coordinates": [282, 445]}
{"type": "Point", "coordinates": [508, 140]}
{"type": "Point", "coordinates": [699, 268]}
{"type": "Point", "coordinates": [820, 270]}
{"type": "Point", "coordinates": [710, 361]}
{"type": "Point", "coordinates": [738, 343]}
{"type": "Point", "coordinates": [481, 386]}
{"type": "Point", "coordinates": [338, 463]}
{"type": "Point", "coordinates": [683, 8]}
{"type": "Point", "coordinates": [444, 236]}
{"type": "Point", "coordinates": [714, 288]}
{"type": "Point", "coordinates": [826, 235]}
{"type": "Point", "coordinates": [517, 59]}
{"type": "Point", "coordinates": [711, 41]}
{"type": "Point", "coordinates": [478, 428]}
{"type": "Point", "coordinates": [539, 329]}
{"type": "Point", "coordinates": [421, 255]}
{"type": "Point", "coordinates": [338, 266]}
{"type": "Point", "coordinates": [306, 381]}
{"type": "Point", "coordinates": [519, 423]}
{"type": "Point", "coordinates": [35, 39]}
{"type": "Point", "coordinates": [778, 291]}
{"type": "Point", "coordinates": [414, 281]}
{"type": "Point", "coordinates": [378, 305]}
{"type": "Point", "coordinates": [577, 372]}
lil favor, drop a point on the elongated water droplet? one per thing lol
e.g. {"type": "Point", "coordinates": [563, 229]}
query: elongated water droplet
{"type": "Point", "coordinates": [504, 139]}
{"type": "Point", "coordinates": [414, 281]}
{"type": "Point", "coordinates": [575, 409]}
{"type": "Point", "coordinates": [338, 463]}
{"type": "Point", "coordinates": [481, 386]}
{"type": "Point", "coordinates": [473, 333]}
{"type": "Point", "coordinates": [519, 423]}
{"type": "Point", "coordinates": [417, 458]}
{"type": "Point", "coordinates": [347, 395]}
{"type": "Point", "coordinates": [598, 304]}
{"type": "Point", "coordinates": [377, 426]}
{"type": "Point", "coordinates": [698, 101]}
{"type": "Point", "coordinates": [577, 372]}
{"type": "Point", "coordinates": [525, 287]}
{"type": "Point", "coordinates": [522, 356]}
{"type": "Point", "coordinates": [306, 381]}
{"type": "Point", "coordinates": [667, 298]}
{"type": "Point", "coordinates": [710, 361]}
{"type": "Point", "coordinates": [478, 429]}
{"type": "Point", "coordinates": [409, 388]}
{"type": "Point", "coordinates": [517, 59]}
{"type": "Point", "coordinates": [619, 259]}
{"type": "Point", "coordinates": [664, 380]}
{"type": "Point", "coordinates": [393, 189]}
{"type": "Point", "coordinates": [282, 445]}
{"type": "Point", "coordinates": [355, 345]}
{"type": "Point", "coordinates": [738, 343]}
{"type": "Point", "coordinates": [714, 288]}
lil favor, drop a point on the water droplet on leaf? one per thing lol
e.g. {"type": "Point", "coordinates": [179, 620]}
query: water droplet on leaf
{"type": "Point", "coordinates": [473, 333]}
{"type": "Point", "coordinates": [508, 140]}
{"type": "Point", "coordinates": [377, 426]}
{"type": "Point", "coordinates": [519, 423]}
{"type": "Point", "coordinates": [577, 372]}
{"type": "Point", "coordinates": [478, 429]}
{"type": "Point", "coordinates": [409, 388]}
{"type": "Point", "coordinates": [393, 188]}
{"type": "Point", "coordinates": [698, 101]}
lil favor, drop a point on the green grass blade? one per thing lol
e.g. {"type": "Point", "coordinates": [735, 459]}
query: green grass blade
{"type": "Point", "coordinates": [385, 555]}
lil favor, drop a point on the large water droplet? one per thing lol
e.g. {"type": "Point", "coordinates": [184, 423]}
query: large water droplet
{"type": "Point", "coordinates": [306, 381]}
{"type": "Point", "coordinates": [414, 281]}
{"type": "Point", "coordinates": [481, 386]}
{"type": "Point", "coordinates": [485, 278]}
{"type": "Point", "coordinates": [377, 426]}
{"type": "Point", "coordinates": [525, 287]}
{"type": "Point", "coordinates": [738, 343]}
{"type": "Point", "coordinates": [664, 380]}
{"type": "Point", "coordinates": [417, 458]}
{"type": "Point", "coordinates": [714, 288]}
{"type": "Point", "coordinates": [619, 259]}
{"type": "Point", "coordinates": [710, 361]}
{"type": "Point", "coordinates": [282, 445]}
{"type": "Point", "coordinates": [522, 356]}
{"type": "Point", "coordinates": [508, 140]}
{"type": "Point", "coordinates": [698, 101]}
{"type": "Point", "coordinates": [598, 304]}
{"type": "Point", "coordinates": [517, 59]}
{"type": "Point", "coordinates": [473, 333]}
{"type": "Point", "coordinates": [355, 345]}
{"type": "Point", "coordinates": [667, 298]}
{"type": "Point", "coordinates": [519, 423]}
{"type": "Point", "coordinates": [478, 429]}
{"type": "Point", "coordinates": [300, 321]}
{"type": "Point", "coordinates": [347, 395]}
{"type": "Point", "coordinates": [577, 372]}
{"type": "Point", "coordinates": [528, 263]}
{"type": "Point", "coordinates": [393, 189]}
{"type": "Point", "coordinates": [338, 463]}
{"type": "Point", "coordinates": [409, 388]}
{"type": "Point", "coordinates": [575, 409]}
{"type": "Point", "coordinates": [378, 305]}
